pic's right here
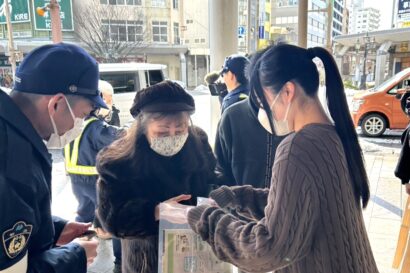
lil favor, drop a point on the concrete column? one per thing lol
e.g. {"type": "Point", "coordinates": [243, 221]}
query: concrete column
{"type": "Point", "coordinates": [338, 55]}
{"type": "Point", "coordinates": [223, 41]}
{"type": "Point", "coordinates": [381, 59]}
{"type": "Point", "coordinates": [302, 23]}
{"type": "Point", "coordinates": [183, 62]}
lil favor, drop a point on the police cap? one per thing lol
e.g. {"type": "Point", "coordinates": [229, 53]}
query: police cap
{"type": "Point", "coordinates": [59, 68]}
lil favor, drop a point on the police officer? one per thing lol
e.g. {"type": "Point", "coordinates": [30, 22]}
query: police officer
{"type": "Point", "coordinates": [233, 73]}
{"type": "Point", "coordinates": [80, 160]}
{"type": "Point", "coordinates": [56, 86]}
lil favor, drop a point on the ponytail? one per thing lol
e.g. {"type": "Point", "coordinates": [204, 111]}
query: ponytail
{"type": "Point", "coordinates": [339, 112]}
{"type": "Point", "coordinates": [255, 87]}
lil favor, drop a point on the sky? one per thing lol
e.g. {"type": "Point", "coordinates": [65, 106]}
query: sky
{"type": "Point", "coordinates": [385, 7]}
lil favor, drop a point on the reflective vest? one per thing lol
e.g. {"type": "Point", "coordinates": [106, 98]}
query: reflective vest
{"type": "Point", "coordinates": [71, 159]}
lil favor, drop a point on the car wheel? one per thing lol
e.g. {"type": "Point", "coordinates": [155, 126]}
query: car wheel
{"type": "Point", "coordinates": [373, 125]}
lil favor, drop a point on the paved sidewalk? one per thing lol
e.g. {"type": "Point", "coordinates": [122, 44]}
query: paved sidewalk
{"type": "Point", "coordinates": [382, 216]}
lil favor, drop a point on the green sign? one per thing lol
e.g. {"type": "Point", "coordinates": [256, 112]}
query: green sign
{"type": "Point", "coordinates": [44, 22]}
{"type": "Point", "coordinates": [19, 11]}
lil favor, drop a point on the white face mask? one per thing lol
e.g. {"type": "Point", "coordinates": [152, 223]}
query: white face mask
{"type": "Point", "coordinates": [168, 146]}
{"type": "Point", "coordinates": [56, 141]}
{"type": "Point", "coordinates": [281, 127]}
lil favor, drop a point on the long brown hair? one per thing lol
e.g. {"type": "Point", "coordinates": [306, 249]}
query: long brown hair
{"type": "Point", "coordinates": [125, 147]}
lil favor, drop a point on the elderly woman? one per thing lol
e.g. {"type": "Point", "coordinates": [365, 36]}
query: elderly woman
{"type": "Point", "coordinates": [161, 156]}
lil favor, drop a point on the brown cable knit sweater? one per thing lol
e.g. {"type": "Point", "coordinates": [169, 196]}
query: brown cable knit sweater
{"type": "Point", "coordinates": [307, 222]}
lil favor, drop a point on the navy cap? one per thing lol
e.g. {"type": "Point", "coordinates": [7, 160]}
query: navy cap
{"type": "Point", "coordinates": [60, 68]}
{"type": "Point", "coordinates": [235, 63]}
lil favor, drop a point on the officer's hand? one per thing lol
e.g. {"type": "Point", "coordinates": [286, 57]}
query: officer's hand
{"type": "Point", "coordinates": [90, 248]}
{"type": "Point", "coordinates": [71, 231]}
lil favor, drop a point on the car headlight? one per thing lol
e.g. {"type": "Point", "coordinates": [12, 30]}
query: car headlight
{"type": "Point", "coordinates": [356, 105]}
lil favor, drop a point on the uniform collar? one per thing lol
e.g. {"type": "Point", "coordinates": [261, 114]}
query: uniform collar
{"type": "Point", "coordinates": [240, 89]}
{"type": "Point", "coordinates": [15, 118]}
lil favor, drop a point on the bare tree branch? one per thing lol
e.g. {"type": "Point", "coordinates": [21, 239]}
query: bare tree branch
{"type": "Point", "coordinates": [102, 28]}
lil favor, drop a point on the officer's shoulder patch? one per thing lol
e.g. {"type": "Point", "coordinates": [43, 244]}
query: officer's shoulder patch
{"type": "Point", "coordinates": [16, 238]}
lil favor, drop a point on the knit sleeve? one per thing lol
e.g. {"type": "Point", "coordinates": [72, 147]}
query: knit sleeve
{"type": "Point", "coordinates": [282, 237]}
{"type": "Point", "coordinates": [245, 200]}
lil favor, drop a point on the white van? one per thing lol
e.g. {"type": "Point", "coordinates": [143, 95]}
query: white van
{"type": "Point", "coordinates": [127, 79]}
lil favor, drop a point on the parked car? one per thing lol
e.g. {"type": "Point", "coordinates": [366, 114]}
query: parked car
{"type": "Point", "coordinates": [382, 107]}
{"type": "Point", "coordinates": [127, 79]}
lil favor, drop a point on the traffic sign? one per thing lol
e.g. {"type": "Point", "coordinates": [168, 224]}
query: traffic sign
{"type": "Point", "coordinates": [19, 11]}
{"type": "Point", "coordinates": [241, 31]}
{"type": "Point", "coordinates": [44, 22]}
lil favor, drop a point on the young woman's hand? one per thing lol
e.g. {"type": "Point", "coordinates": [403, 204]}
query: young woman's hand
{"type": "Point", "coordinates": [172, 210]}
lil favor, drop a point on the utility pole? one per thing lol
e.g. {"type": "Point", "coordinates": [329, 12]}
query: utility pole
{"type": "Point", "coordinates": [329, 25]}
{"type": "Point", "coordinates": [12, 57]}
{"type": "Point", "coordinates": [56, 33]}
{"type": "Point", "coordinates": [54, 8]}
{"type": "Point", "coordinates": [302, 26]}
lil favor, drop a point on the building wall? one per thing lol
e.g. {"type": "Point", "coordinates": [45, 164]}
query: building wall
{"type": "Point", "coordinates": [171, 61]}
{"type": "Point", "coordinates": [338, 15]}
{"type": "Point", "coordinates": [367, 19]}
{"type": "Point", "coordinates": [285, 21]}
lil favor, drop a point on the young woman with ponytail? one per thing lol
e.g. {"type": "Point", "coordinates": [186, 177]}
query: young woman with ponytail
{"type": "Point", "coordinates": [310, 220]}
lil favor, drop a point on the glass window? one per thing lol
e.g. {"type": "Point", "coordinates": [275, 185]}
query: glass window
{"type": "Point", "coordinates": [176, 34]}
{"type": "Point", "coordinates": [155, 76]}
{"type": "Point", "coordinates": [160, 31]}
{"type": "Point", "coordinates": [175, 4]}
{"type": "Point", "coordinates": [134, 2]}
{"type": "Point", "coordinates": [158, 3]}
{"type": "Point", "coordinates": [135, 31]}
{"type": "Point", "coordinates": [122, 82]}
{"type": "Point", "coordinates": [103, 2]}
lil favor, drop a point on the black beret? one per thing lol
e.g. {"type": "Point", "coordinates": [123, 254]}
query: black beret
{"type": "Point", "coordinates": [165, 96]}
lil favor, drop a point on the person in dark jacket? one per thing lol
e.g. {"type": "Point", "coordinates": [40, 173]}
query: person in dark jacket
{"type": "Point", "coordinates": [243, 125]}
{"type": "Point", "coordinates": [55, 88]}
{"type": "Point", "coordinates": [402, 170]}
{"type": "Point", "coordinates": [80, 160]}
{"type": "Point", "coordinates": [233, 73]}
{"type": "Point", "coordinates": [160, 157]}
{"type": "Point", "coordinates": [110, 115]}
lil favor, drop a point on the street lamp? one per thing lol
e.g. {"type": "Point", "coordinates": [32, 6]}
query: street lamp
{"type": "Point", "coordinates": [369, 43]}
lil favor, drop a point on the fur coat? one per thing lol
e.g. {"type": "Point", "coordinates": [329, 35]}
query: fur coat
{"type": "Point", "coordinates": [129, 190]}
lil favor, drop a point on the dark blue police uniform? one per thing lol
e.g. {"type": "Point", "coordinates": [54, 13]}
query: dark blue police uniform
{"type": "Point", "coordinates": [238, 94]}
{"type": "Point", "coordinates": [96, 135]}
{"type": "Point", "coordinates": [26, 224]}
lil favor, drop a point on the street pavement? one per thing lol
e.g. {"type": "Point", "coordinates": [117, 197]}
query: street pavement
{"type": "Point", "coordinates": [382, 216]}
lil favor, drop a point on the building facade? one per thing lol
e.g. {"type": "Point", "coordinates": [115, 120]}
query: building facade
{"type": "Point", "coordinates": [363, 19]}
{"type": "Point", "coordinates": [285, 21]}
{"type": "Point", "coordinates": [30, 30]}
{"type": "Point", "coordinates": [338, 15]}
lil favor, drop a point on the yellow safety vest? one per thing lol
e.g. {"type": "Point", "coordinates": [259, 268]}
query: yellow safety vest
{"type": "Point", "coordinates": [71, 159]}
{"type": "Point", "coordinates": [243, 96]}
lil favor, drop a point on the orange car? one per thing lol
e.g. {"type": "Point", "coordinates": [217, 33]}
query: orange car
{"type": "Point", "coordinates": [382, 107]}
